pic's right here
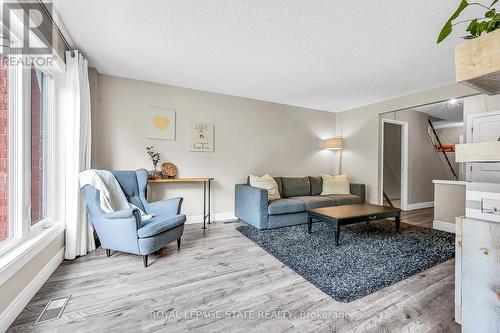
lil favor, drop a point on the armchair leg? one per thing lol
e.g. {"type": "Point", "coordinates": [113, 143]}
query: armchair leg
{"type": "Point", "coordinates": [145, 259]}
{"type": "Point", "coordinates": [108, 252]}
{"type": "Point", "coordinates": [179, 244]}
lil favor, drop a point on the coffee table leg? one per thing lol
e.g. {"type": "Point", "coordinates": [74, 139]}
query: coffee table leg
{"type": "Point", "coordinates": [398, 223]}
{"type": "Point", "coordinates": [309, 224]}
{"type": "Point", "coordinates": [337, 235]}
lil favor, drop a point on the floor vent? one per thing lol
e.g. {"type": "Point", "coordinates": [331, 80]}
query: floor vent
{"type": "Point", "coordinates": [53, 310]}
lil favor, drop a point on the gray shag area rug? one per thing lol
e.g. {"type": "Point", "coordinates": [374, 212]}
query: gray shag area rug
{"type": "Point", "coordinates": [369, 257]}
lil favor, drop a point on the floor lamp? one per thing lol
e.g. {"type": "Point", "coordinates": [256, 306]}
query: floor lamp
{"type": "Point", "coordinates": [335, 143]}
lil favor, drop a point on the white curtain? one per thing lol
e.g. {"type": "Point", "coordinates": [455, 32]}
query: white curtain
{"type": "Point", "coordinates": [79, 232]}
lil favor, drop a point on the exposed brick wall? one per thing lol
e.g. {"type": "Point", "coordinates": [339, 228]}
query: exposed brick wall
{"type": "Point", "coordinates": [36, 150]}
{"type": "Point", "coordinates": [4, 162]}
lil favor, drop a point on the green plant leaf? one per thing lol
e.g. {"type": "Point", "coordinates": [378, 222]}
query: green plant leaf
{"type": "Point", "coordinates": [473, 29]}
{"type": "Point", "coordinates": [471, 24]}
{"type": "Point", "coordinates": [483, 26]}
{"type": "Point", "coordinates": [464, 4]}
{"type": "Point", "coordinates": [494, 2]}
{"type": "Point", "coordinates": [445, 32]}
{"type": "Point", "coordinates": [490, 13]}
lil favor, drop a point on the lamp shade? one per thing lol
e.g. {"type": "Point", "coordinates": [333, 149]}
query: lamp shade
{"type": "Point", "coordinates": [333, 143]}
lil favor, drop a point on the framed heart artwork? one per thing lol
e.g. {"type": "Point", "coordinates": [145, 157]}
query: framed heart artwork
{"type": "Point", "coordinates": [160, 123]}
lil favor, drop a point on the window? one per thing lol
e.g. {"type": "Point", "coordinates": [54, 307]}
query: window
{"type": "Point", "coordinates": [38, 146]}
{"type": "Point", "coordinates": [4, 150]}
{"type": "Point", "coordinates": [27, 143]}
{"type": "Point", "coordinates": [25, 134]}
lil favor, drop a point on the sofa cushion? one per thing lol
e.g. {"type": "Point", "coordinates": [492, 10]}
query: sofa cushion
{"type": "Point", "coordinates": [335, 184]}
{"type": "Point", "coordinates": [316, 201]}
{"type": "Point", "coordinates": [345, 199]}
{"type": "Point", "coordinates": [285, 206]}
{"type": "Point", "coordinates": [295, 186]}
{"type": "Point", "coordinates": [316, 185]}
{"type": "Point", "coordinates": [280, 185]}
{"type": "Point", "coordinates": [159, 224]}
{"type": "Point", "coordinates": [267, 183]}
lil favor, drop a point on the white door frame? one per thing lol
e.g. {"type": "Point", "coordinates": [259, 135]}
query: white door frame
{"type": "Point", "coordinates": [404, 161]}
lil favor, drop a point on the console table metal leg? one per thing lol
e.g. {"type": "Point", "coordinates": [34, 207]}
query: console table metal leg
{"type": "Point", "coordinates": [209, 218]}
{"type": "Point", "coordinates": [204, 204]}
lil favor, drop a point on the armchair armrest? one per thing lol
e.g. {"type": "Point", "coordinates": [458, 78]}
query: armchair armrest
{"type": "Point", "coordinates": [120, 214]}
{"type": "Point", "coordinates": [118, 230]}
{"type": "Point", "coordinates": [358, 189]}
{"type": "Point", "coordinates": [250, 205]}
{"type": "Point", "coordinates": [169, 207]}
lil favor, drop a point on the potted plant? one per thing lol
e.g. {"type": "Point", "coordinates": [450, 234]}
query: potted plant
{"type": "Point", "coordinates": [154, 156]}
{"type": "Point", "coordinates": [477, 62]}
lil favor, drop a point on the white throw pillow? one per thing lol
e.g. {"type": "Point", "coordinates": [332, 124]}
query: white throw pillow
{"type": "Point", "coordinates": [268, 183]}
{"type": "Point", "coordinates": [335, 184]}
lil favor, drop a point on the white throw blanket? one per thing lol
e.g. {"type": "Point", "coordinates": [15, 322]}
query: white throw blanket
{"type": "Point", "coordinates": [111, 197]}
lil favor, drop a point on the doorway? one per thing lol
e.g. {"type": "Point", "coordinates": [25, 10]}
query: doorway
{"type": "Point", "coordinates": [394, 164]}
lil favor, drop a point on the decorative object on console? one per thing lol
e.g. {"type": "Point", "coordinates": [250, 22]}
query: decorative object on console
{"type": "Point", "coordinates": [268, 183]}
{"type": "Point", "coordinates": [201, 137]}
{"type": "Point", "coordinates": [155, 158]}
{"type": "Point", "coordinates": [169, 170]}
{"type": "Point", "coordinates": [335, 184]}
{"type": "Point", "coordinates": [160, 123]}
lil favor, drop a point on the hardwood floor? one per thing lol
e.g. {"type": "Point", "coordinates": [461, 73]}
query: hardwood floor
{"type": "Point", "coordinates": [220, 281]}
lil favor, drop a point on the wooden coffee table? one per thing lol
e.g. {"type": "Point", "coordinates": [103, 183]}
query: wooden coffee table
{"type": "Point", "coordinates": [349, 214]}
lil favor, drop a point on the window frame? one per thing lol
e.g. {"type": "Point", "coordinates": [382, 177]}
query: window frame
{"type": "Point", "coordinates": [49, 145]}
{"type": "Point", "coordinates": [20, 228]}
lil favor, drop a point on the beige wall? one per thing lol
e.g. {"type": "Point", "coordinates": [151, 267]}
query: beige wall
{"type": "Point", "coordinates": [360, 129]}
{"type": "Point", "coordinates": [250, 137]}
{"type": "Point", "coordinates": [11, 288]}
{"type": "Point", "coordinates": [424, 164]}
{"type": "Point", "coordinates": [449, 202]}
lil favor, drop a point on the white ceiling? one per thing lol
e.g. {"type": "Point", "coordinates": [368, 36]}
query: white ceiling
{"type": "Point", "coordinates": [450, 111]}
{"type": "Point", "coordinates": [330, 55]}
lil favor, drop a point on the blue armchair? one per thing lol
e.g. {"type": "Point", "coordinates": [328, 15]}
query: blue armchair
{"type": "Point", "coordinates": [123, 230]}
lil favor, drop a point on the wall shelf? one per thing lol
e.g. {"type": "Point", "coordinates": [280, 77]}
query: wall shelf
{"type": "Point", "coordinates": [478, 152]}
{"type": "Point", "coordinates": [477, 63]}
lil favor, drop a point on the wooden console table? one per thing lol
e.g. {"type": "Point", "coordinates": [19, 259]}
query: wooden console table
{"type": "Point", "coordinates": [206, 189]}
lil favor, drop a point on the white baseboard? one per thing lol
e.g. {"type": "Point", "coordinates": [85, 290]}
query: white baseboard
{"type": "Point", "coordinates": [218, 217]}
{"type": "Point", "coordinates": [443, 226]}
{"type": "Point", "coordinates": [10, 314]}
{"type": "Point", "coordinates": [419, 205]}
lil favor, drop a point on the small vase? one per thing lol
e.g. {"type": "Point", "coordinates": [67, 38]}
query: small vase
{"type": "Point", "coordinates": [154, 174]}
